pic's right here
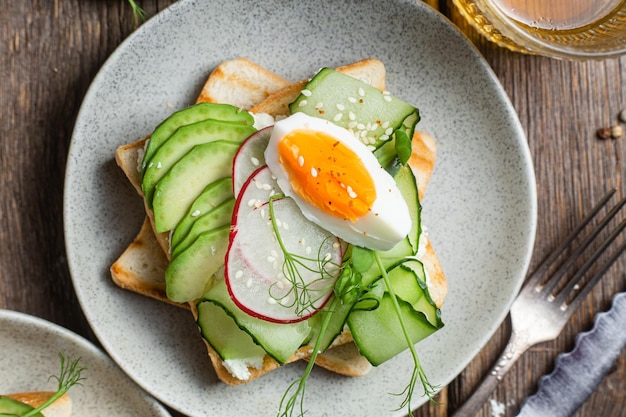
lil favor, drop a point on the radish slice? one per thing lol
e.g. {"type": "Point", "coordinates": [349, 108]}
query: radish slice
{"type": "Point", "coordinates": [250, 157]}
{"type": "Point", "coordinates": [257, 274]}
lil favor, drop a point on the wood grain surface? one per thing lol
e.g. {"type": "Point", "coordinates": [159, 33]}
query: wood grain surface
{"type": "Point", "coordinates": [50, 51]}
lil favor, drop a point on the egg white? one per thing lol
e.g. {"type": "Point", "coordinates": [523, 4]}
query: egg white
{"type": "Point", "coordinates": [388, 221]}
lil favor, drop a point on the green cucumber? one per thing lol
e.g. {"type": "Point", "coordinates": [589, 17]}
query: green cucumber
{"type": "Point", "coordinates": [280, 341]}
{"type": "Point", "coordinates": [405, 180]}
{"type": "Point", "coordinates": [181, 141]}
{"type": "Point", "coordinates": [407, 247]}
{"type": "Point", "coordinates": [12, 408]}
{"type": "Point", "coordinates": [374, 116]}
{"type": "Point", "coordinates": [221, 331]}
{"type": "Point", "coordinates": [335, 327]}
{"type": "Point", "coordinates": [214, 219]}
{"type": "Point", "coordinates": [184, 182]}
{"type": "Point", "coordinates": [190, 273]}
{"type": "Point", "coordinates": [189, 115]}
{"type": "Point", "coordinates": [212, 196]}
{"type": "Point", "coordinates": [378, 334]}
{"type": "Point", "coordinates": [420, 297]}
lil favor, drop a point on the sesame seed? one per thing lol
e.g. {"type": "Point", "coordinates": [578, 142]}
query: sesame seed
{"type": "Point", "coordinates": [319, 105]}
{"type": "Point", "coordinates": [352, 125]}
{"type": "Point", "coordinates": [301, 160]}
{"type": "Point", "coordinates": [351, 116]}
{"type": "Point", "coordinates": [270, 259]}
{"type": "Point", "coordinates": [150, 164]}
{"type": "Point", "coordinates": [388, 131]}
{"type": "Point", "coordinates": [351, 192]}
{"type": "Point", "coordinates": [303, 103]}
{"type": "Point", "coordinates": [371, 148]}
{"type": "Point", "coordinates": [338, 117]}
{"type": "Point", "coordinates": [249, 283]}
{"type": "Point", "coordinates": [385, 125]}
{"type": "Point", "coordinates": [266, 187]}
{"type": "Point", "coordinates": [306, 93]}
{"type": "Point", "coordinates": [213, 250]}
{"type": "Point", "coordinates": [335, 245]}
{"type": "Point", "coordinates": [387, 98]}
{"type": "Point", "coordinates": [271, 301]}
{"type": "Point", "coordinates": [386, 93]}
{"type": "Point", "coordinates": [255, 161]}
{"type": "Point", "coordinates": [327, 257]}
{"type": "Point", "coordinates": [360, 126]}
{"type": "Point", "coordinates": [352, 100]}
{"type": "Point", "coordinates": [308, 250]}
{"type": "Point", "coordinates": [340, 107]}
{"type": "Point", "coordinates": [159, 166]}
{"type": "Point", "coordinates": [313, 172]}
{"type": "Point", "coordinates": [239, 274]}
{"type": "Point", "coordinates": [280, 284]}
{"type": "Point", "coordinates": [285, 226]}
{"type": "Point", "coordinates": [361, 92]}
{"type": "Point", "coordinates": [196, 213]}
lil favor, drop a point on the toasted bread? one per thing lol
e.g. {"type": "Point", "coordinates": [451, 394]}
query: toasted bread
{"type": "Point", "coordinates": [240, 82]}
{"type": "Point", "coordinates": [131, 272]}
{"type": "Point", "coordinates": [62, 407]}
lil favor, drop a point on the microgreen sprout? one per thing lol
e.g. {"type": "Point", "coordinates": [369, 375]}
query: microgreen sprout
{"type": "Point", "coordinates": [138, 13]}
{"type": "Point", "coordinates": [69, 376]}
{"type": "Point", "coordinates": [289, 403]}
{"type": "Point", "coordinates": [305, 295]}
{"type": "Point", "coordinates": [418, 370]}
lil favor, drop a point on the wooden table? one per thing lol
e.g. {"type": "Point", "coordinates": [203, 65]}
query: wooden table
{"type": "Point", "coordinates": [50, 50]}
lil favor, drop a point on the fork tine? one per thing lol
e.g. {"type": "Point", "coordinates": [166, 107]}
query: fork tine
{"type": "Point", "coordinates": [550, 285]}
{"type": "Point", "coordinates": [543, 267]}
{"type": "Point", "coordinates": [566, 292]}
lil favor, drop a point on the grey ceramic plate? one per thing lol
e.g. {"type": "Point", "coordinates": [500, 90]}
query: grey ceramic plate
{"type": "Point", "coordinates": [30, 349]}
{"type": "Point", "coordinates": [480, 209]}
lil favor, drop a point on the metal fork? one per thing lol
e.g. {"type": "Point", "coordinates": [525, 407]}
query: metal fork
{"type": "Point", "coordinates": [542, 308]}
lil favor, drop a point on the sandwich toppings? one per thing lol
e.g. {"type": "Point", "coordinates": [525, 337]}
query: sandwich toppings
{"type": "Point", "coordinates": [285, 234]}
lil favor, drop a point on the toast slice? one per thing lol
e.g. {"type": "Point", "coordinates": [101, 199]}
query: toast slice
{"type": "Point", "coordinates": [132, 272]}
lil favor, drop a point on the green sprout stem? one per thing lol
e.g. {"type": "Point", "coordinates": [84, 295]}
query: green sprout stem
{"type": "Point", "coordinates": [288, 403]}
{"type": "Point", "coordinates": [304, 300]}
{"type": "Point", "coordinates": [418, 371]}
{"type": "Point", "coordinates": [69, 376]}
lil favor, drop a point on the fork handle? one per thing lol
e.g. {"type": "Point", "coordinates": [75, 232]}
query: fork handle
{"type": "Point", "coordinates": [514, 349]}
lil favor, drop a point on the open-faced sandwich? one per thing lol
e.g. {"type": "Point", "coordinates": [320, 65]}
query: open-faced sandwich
{"type": "Point", "coordinates": [287, 218]}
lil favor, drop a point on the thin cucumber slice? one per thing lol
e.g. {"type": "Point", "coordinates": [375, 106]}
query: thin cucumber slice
{"type": "Point", "coordinates": [190, 274]}
{"type": "Point", "coordinates": [193, 114]}
{"type": "Point", "coordinates": [378, 334]}
{"type": "Point", "coordinates": [185, 181]}
{"type": "Point", "coordinates": [280, 341]}
{"type": "Point", "coordinates": [213, 195]}
{"type": "Point", "coordinates": [182, 141]}
{"type": "Point", "coordinates": [419, 297]}
{"type": "Point", "coordinates": [405, 180]}
{"type": "Point", "coordinates": [221, 331]}
{"type": "Point", "coordinates": [218, 217]}
{"type": "Point", "coordinates": [374, 116]}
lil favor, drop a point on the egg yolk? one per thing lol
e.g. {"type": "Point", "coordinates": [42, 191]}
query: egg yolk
{"type": "Point", "coordinates": [326, 173]}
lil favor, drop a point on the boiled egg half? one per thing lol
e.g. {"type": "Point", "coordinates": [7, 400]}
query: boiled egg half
{"type": "Point", "coordinates": [337, 182]}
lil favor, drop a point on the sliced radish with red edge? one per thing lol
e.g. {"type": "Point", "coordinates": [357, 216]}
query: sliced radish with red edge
{"type": "Point", "coordinates": [256, 270]}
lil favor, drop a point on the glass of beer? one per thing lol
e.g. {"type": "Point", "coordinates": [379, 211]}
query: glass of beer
{"type": "Point", "coordinates": [567, 29]}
